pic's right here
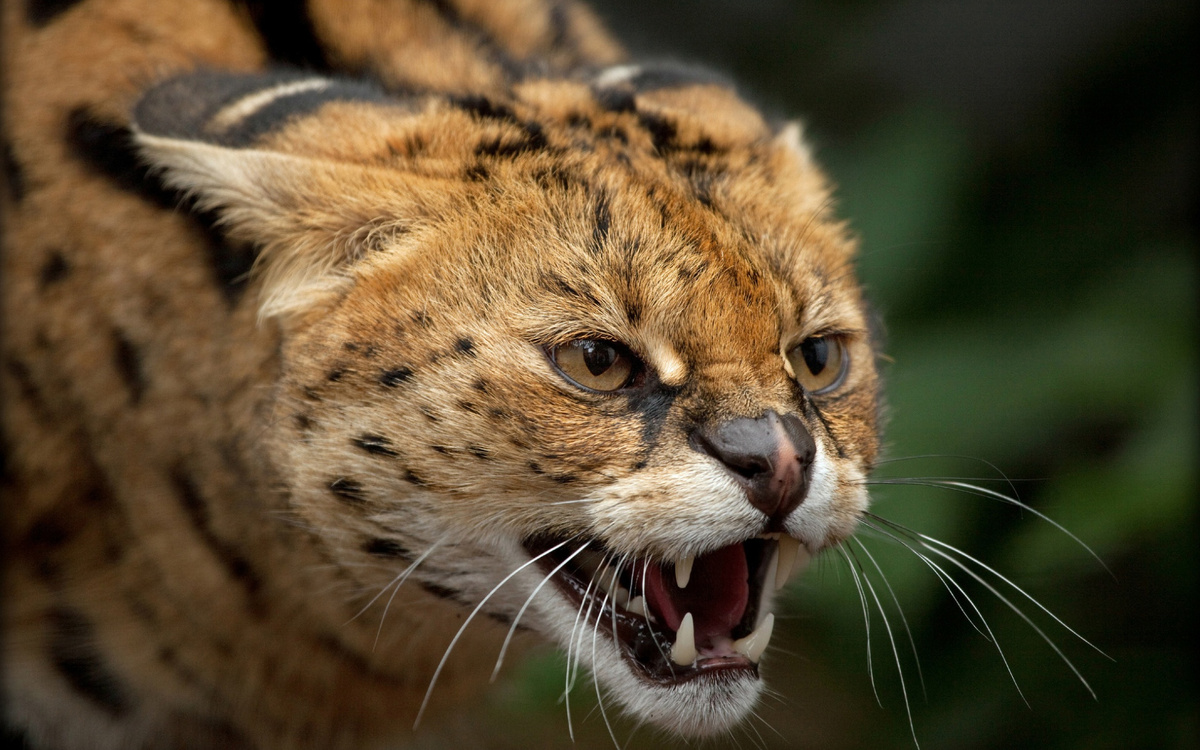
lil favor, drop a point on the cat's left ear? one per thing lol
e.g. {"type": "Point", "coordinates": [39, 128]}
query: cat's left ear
{"type": "Point", "coordinates": [256, 148]}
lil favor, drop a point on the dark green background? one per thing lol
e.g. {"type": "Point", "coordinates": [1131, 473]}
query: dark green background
{"type": "Point", "coordinates": [1023, 178]}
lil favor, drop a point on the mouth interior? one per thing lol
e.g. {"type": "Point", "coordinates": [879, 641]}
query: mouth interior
{"type": "Point", "coordinates": [639, 604]}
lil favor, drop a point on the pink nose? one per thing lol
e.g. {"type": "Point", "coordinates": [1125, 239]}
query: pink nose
{"type": "Point", "coordinates": [770, 457]}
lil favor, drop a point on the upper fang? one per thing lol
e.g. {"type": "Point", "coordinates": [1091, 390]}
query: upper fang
{"type": "Point", "coordinates": [683, 570]}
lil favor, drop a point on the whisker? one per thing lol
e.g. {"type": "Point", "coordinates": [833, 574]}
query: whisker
{"type": "Point", "coordinates": [948, 581]}
{"type": "Point", "coordinates": [397, 581]}
{"type": "Point", "coordinates": [887, 627]}
{"type": "Point", "coordinates": [529, 600]}
{"type": "Point", "coordinates": [928, 543]}
{"type": "Point", "coordinates": [866, 620]}
{"type": "Point", "coordinates": [973, 489]}
{"type": "Point", "coordinates": [596, 679]}
{"type": "Point", "coordinates": [569, 684]}
{"type": "Point", "coordinates": [904, 620]}
{"type": "Point", "coordinates": [446, 656]}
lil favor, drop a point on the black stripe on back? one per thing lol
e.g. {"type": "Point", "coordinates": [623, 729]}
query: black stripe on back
{"type": "Point", "coordinates": [287, 31]}
{"type": "Point", "coordinates": [14, 173]}
{"type": "Point", "coordinates": [233, 560]}
{"type": "Point", "coordinates": [41, 12]}
{"type": "Point", "coordinates": [74, 654]}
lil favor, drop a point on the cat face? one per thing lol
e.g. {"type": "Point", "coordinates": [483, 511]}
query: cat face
{"type": "Point", "coordinates": [591, 358]}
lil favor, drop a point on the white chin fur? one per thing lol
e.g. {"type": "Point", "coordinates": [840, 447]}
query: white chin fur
{"type": "Point", "coordinates": [697, 708]}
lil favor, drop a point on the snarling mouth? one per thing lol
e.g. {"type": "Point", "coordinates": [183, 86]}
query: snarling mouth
{"type": "Point", "coordinates": [675, 621]}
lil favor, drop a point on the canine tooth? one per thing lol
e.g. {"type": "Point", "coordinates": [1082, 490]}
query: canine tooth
{"type": "Point", "coordinates": [803, 558]}
{"type": "Point", "coordinates": [683, 570]}
{"type": "Point", "coordinates": [753, 645]}
{"type": "Point", "coordinates": [787, 550]}
{"type": "Point", "coordinates": [637, 605]}
{"type": "Point", "coordinates": [684, 651]}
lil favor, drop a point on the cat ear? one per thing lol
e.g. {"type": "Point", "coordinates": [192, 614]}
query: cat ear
{"type": "Point", "coordinates": [228, 141]}
{"type": "Point", "coordinates": [791, 138]}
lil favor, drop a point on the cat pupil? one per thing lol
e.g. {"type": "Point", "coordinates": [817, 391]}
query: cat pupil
{"type": "Point", "coordinates": [816, 354]}
{"type": "Point", "coordinates": [598, 356]}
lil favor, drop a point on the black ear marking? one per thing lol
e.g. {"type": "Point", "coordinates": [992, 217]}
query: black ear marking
{"type": "Point", "coordinates": [230, 109]}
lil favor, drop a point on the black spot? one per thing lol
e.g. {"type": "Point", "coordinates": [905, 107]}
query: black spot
{"type": "Point", "coordinates": [440, 592]}
{"type": "Point", "coordinates": [484, 108]}
{"type": "Point", "coordinates": [14, 173]}
{"type": "Point", "coordinates": [386, 548]}
{"type": "Point", "coordinates": [602, 217]}
{"type": "Point", "coordinates": [430, 414]}
{"type": "Point", "coordinates": [304, 423]}
{"type": "Point", "coordinates": [412, 478]}
{"type": "Point", "coordinates": [442, 450]}
{"type": "Point", "coordinates": [615, 132]}
{"type": "Point", "coordinates": [479, 452]}
{"type": "Point", "coordinates": [468, 406]}
{"type": "Point", "coordinates": [28, 386]}
{"type": "Point", "coordinates": [287, 31]}
{"type": "Point", "coordinates": [616, 99]}
{"type": "Point", "coordinates": [128, 361]}
{"type": "Point", "coordinates": [74, 653]}
{"type": "Point", "coordinates": [376, 444]}
{"type": "Point", "coordinates": [348, 491]}
{"type": "Point", "coordinates": [633, 311]}
{"type": "Point", "coordinates": [233, 560]}
{"type": "Point", "coordinates": [662, 131]}
{"type": "Point", "coordinates": [335, 375]}
{"type": "Point", "coordinates": [55, 269]}
{"type": "Point", "coordinates": [564, 478]}
{"type": "Point", "coordinates": [477, 173]}
{"type": "Point", "coordinates": [639, 466]}
{"type": "Point", "coordinates": [465, 346]}
{"type": "Point", "coordinates": [534, 140]}
{"type": "Point", "coordinates": [536, 468]}
{"type": "Point", "coordinates": [393, 378]}
{"type": "Point", "coordinates": [42, 12]}
{"type": "Point", "coordinates": [480, 385]}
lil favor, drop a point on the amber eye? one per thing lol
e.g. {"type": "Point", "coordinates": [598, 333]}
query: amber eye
{"type": "Point", "coordinates": [819, 363]}
{"type": "Point", "coordinates": [596, 364]}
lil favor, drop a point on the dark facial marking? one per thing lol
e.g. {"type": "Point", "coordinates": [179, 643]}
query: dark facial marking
{"type": "Point", "coordinates": [128, 361]}
{"type": "Point", "coordinates": [14, 173]}
{"type": "Point", "coordinates": [602, 217]}
{"type": "Point", "coordinates": [375, 444]}
{"type": "Point", "coordinates": [393, 378]}
{"type": "Point", "coordinates": [653, 405]}
{"type": "Point", "coordinates": [41, 12]}
{"type": "Point", "coordinates": [28, 387]}
{"type": "Point", "coordinates": [412, 478]}
{"type": "Point", "coordinates": [465, 346]}
{"type": "Point", "coordinates": [74, 653]}
{"type": "Point", "coordinates": [386, 548]}
{"type": "Point", "coordinates": [348, 491]}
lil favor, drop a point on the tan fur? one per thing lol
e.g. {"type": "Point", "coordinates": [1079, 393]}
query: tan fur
{"type": "Point", "coordinates": [171, 451]}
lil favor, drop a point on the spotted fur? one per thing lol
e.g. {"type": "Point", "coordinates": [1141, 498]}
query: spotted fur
{"type": "Point", "coordinates": [280, 280]}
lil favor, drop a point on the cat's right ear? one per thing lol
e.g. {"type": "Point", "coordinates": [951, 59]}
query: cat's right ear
{"type": "Point", "coordinates": [227, 141]}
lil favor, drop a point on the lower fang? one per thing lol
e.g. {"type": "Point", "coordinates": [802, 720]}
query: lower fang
{"type": "Point", "coordinates": [637, 605]}
{"type": "Point", "coordinates": [753, 645]}
{"type": "Point", "coordinates": [684, 651]}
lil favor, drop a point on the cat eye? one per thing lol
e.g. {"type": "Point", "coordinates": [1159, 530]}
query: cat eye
{"type": "Point", "coordinates": [819, 363]}
{"type": "Point", "coordinates": [596, 364]}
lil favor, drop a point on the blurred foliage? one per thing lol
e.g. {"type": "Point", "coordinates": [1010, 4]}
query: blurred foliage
{"type": "Point", "coordinates": [1023, 179]}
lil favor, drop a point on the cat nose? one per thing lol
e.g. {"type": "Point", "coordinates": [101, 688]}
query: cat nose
{"type": "Point", "coordinates": [770, 457]}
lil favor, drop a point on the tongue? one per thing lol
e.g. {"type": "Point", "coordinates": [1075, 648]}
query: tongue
{"type": "Point", "coordinates": [716, 595]}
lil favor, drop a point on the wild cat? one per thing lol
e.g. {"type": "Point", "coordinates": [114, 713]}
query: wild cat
{"type": "Point", "coordinates": [439, 309]}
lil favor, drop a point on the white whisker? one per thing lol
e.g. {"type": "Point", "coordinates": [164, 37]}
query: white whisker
{"type": "Point", "coordinates": [446, 656]}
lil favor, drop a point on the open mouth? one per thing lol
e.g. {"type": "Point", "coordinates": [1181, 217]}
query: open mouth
{"type": "Point", "coordinates": [676, 621]}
